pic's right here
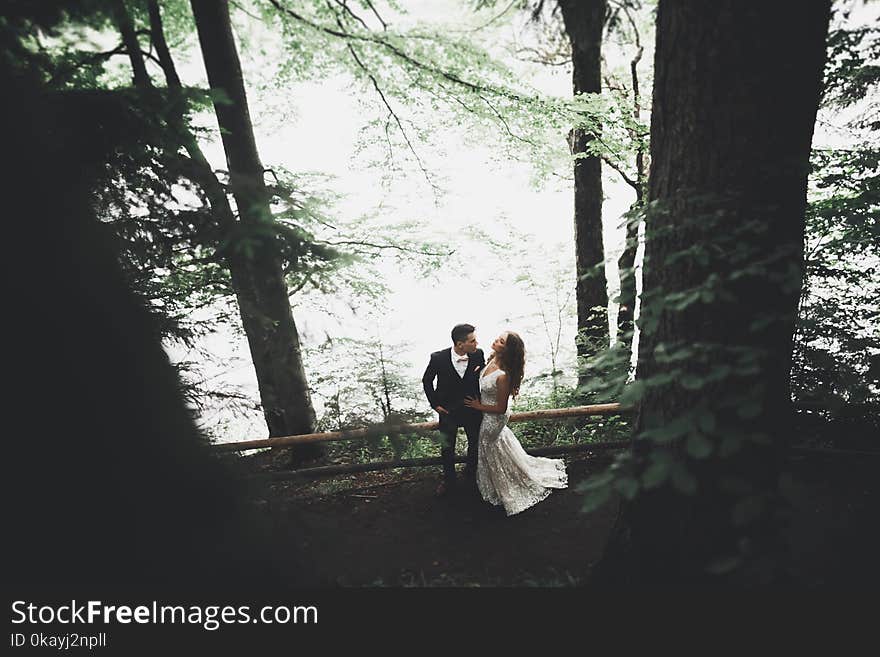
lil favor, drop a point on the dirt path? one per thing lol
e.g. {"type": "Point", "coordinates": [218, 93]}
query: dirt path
{"type": "Point", "coordinates": [390, 529]}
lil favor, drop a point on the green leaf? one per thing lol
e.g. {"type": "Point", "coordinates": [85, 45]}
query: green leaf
{"type": "Point", "coordinates": [655, 474]}
{"type": "Point", "coordinates": [706, 421]}
{"type": "Point", "coordinates": [699, 446]}
{"type": "Point", "coordinates": [627, 486]}
{"type": "Point", "coordinates": [596, 481]}
{"type": "Point", "coordinates": [691, 382]}
{"type": "Point", "coordinates": [595, 499]}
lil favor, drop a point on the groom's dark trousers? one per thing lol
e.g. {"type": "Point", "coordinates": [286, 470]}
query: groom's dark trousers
{"type": "Point", "coordinates": [450, 391]}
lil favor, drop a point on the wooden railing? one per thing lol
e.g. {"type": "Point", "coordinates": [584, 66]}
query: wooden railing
{"type": "Point", "coordinates": [420, 427]}
{"type": "Point", "coordinates": [425, 427]}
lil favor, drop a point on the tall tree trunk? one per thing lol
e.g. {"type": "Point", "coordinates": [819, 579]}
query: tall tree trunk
{"type": "Point", "coordinates": [627, 260]}
{"type": "Point", "coordinates": [254, 258]}
{"type": "Point", "coordinates": [584, 22]}
{"type": "Point", "coordinates": [132, 47]}
{"type": "Point", "coordinates": [736, 91]}
{"type": "Point", "coordinates": [626, 267]}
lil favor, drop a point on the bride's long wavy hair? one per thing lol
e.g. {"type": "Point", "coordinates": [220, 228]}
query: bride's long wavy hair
{"type": "Point", "coordinates": [513, 361]}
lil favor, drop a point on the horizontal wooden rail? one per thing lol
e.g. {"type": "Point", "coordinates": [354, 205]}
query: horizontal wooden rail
{"type": "Point", "coordinates": [350, 468]}
{"type": "Point", "coordinates": [421, 427]}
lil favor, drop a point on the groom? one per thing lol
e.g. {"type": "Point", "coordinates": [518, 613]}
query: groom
{"type": "Point", "coordinates": [457, 371]}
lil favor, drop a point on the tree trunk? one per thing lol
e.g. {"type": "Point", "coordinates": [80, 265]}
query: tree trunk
{"type": "Point", "coordinates": [120, 452]}
{"type": "Point", "coordinates": [584, 22]}
{"type": "Point", "coordinates": [627, 260]}
{"type": "Point", "coordinates": [626, 266]}
{"type": "Point", "coordinates": [736, 91]}
{"type": "Point", "coordinates": [254, 258]}
{"type": "Point", "coordinates": [132, 47]}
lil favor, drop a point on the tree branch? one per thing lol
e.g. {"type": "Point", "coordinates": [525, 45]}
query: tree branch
{"type": "Point", "coordinates": [130, 39]}
{"type": "Point", "coordinates": [87, 59]}
{"type": "Point", "coordinates": [629, 181]}
{"type": "Point", "coordinates": [305, 281]}
{"type": "Point", "coordinates": [383, 247]}
{"type": "Point", "coordinates": [401, 55]}
{"type": "Point", "coordinates": [495, 18]}
{"type": "Point", "coordinates": [348, 11]}
{"type": "Point", "coordinates": [157, 38]}
{"type": "Point", "coordinates": [387, 105]}
{"type": "Point", "coordinates": [376, 14]}
{"type": "Point", "coordinates": [504, 122]}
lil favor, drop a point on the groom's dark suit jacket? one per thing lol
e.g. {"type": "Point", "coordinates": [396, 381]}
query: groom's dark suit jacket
{"type": "Point", "coordinates": [451, 388]}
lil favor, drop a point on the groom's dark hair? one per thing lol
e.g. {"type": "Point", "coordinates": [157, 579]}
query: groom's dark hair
{"type": "Point", "coordinates": [461, 331]}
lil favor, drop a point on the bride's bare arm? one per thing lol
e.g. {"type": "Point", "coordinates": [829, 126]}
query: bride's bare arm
{"type": "Point", "coordinates": [503, 396]}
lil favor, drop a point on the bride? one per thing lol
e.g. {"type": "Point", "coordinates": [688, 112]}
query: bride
{"type": "Point", "coordinates": [506, 475]}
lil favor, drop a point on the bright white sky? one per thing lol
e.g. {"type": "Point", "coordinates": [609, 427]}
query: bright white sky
{"type": "Point", "coordinates": [319, 132]}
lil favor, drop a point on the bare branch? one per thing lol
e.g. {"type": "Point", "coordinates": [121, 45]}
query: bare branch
{"type": "Point", "coordinates": [632, 22]}
{"type": "Point", "coordinates": [238, 6]}
{"type": "Point", "coordinates": [629, 181]}
{"type": "Point", "coordinates": [283, 194]}
{"type": "Point", "coordinates": [610, 83]}
{"type": "Point", "coordinates": [305, 281]}
{"type": "Point", "coordinates": [384, 247]}
{"type": "Point", "coordinates": [394, 115]}
{"type": "Point", "coordinates": [348, 11]}
{"type": "Point", "coordinates": [546, 57]}
{"type": "Point", "coordinates": [376, 14]}
{"type": "Point", "coordinates": [495, 18]}
{"type": "Point", "coordinates": [504, 122]}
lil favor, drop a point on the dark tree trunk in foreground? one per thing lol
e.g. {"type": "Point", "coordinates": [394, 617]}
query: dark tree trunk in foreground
{"type": "Point", "coordinates": [736, 91]}
{"type": "Point", "coordinates": [254, 258]}
{"type": "Point", "coordinates": [114, 458]}
{"type": "Point", "coordinates": [584, 22]}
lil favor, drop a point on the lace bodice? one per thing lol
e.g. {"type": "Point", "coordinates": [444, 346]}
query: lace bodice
{"type": "Point", "coordinates": [489, 388]}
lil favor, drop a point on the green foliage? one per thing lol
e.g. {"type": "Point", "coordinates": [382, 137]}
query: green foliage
{"type": "Point", "coordinates": [837, 344]}
{"type": "Point", "coordinates": [837, 348]}
{"type": "Point", "coordinates": [359, 385]}
{"type": "Point", "coordinates": [852, 71]}
{"type": "Point", "coordinates": [418, 80]}
{"type": "Point", "coordinates": [720, 403]}
{"type": "Point", "coordinates": [154, 199]}
{"type": "Point", "coordinates": [569, 431]}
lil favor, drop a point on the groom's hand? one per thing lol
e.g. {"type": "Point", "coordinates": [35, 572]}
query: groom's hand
{"type": "Point", "coordinates": [440, 409]}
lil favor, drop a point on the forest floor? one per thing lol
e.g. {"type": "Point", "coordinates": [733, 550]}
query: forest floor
{"type": "Point", "coordinates": [389, 528]}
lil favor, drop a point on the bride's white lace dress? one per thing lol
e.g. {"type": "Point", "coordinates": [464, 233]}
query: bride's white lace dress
{"type": "Point", "coordinates": [506, 474]}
